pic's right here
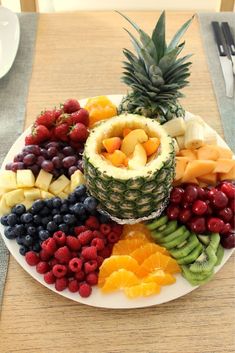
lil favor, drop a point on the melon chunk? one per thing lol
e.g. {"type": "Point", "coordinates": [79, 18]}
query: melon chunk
{"type": "Point", "coordinates": [188, 153]}
{"type": "Point", "coordinates": [206, 152]}
{"type": "Point", "coordinates": [197, 168]}
{"type": "Point", "coordinates": [228, 176]}
{"type": "Point", "coordinates": [180, 167]}
{"type": "Point", "coordinates": [210, 178]}
{"type": "Point", "coordinates": [224, 165]}
{"type": "Point", "coordinates": [192, 181]}
{"type": "Point", "coordinates": [223, 152]}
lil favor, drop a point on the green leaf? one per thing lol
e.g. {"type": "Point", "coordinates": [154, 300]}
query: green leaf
{"type": "Point", "coordinates": [158, 36]}
{"type": "Point", "coordinates": [168, 59]}
{"type": "Point", "coordinates": [135, 42]}
{"type": "Point", "coordinates": [175, 40]}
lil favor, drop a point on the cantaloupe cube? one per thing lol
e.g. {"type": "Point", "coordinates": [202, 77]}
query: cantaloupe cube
{"type": "Point", "coordinates": [223, 152]}
{"type": "Point", "coordinates": [4, 208]}
{"type": "Point", "coordinates": [224, 165]}
{"type": "Point", "coordinates": [43, 180]}
{"type": "Point", "coordinates": [197, 168]}
{"type": "Point", "coordinates": [58, 185]}
{"type": "Point", "coordinates": [25, 178]}
{"type": "Point", "coordinates": [180, 167]}
{"type": "Point", "coordinates": [230, 175]}
{"type": "Point", "coordinates": [14, 197]}
{"type": "Point", "coordinates": [77, 178]}
{"type": "Point", "coordinates": [188, 153]}
{"type": "Point", "coordinates": [46, 194]}
{"type": "Point", "coordinates": [206, 152]}
{"type": "Point", "coordinates": [8, 180]}
{"type": "Point", "coordinates": [209, 179]}
{"type": "Point", "coordinates": [32, 194]}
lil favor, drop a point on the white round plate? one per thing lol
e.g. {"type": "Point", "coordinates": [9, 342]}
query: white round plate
{"type": "Point", "coordinates": [115, 300]}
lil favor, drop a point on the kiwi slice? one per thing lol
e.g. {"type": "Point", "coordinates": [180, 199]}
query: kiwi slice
{"type": "Point", "coordinates": [178, 240]}
{"type": "Point", "coordinates": [205, 262]}
{"type": "Point", "coordinates": [214, 241]}
{"type": "Point", "coordinates": [157, 223]}
{"type": "Point", "coordinates": [172, 236]}
{"type": "Point", "coordinates": [192, 256]}
{"type": "Point", "coordinates": [205, 239]}
{"type": "Point", "coordinates": [219, 255]}
{"type": "Point", "coordinates": [196, 278]}
{"type": "Point", "coordinates": [188, 246]}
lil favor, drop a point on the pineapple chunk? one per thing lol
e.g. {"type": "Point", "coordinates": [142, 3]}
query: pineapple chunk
{"type": "Point", "coordinates": [25, 178]}
{"type": "Point", "coordinates": [14, 197]}
{"type": "Point", "coordinates": [67, 189]}
{"type": "Point", "coordinates": [46, 194]}
{"type": "Point", "coordinates": [77, 178]}
{"type": "Point", "coordinates": [175, 127]}
{"type": "Point", "coordinates": [62, 195]}
{"type": "Point", "coordinates": [4, 208]}
{"type": "Point", "coordinates": [59, 185]}
{"type": "Point", "coordinates": [8, 180]}
{"type": "Point", "coordinates": [43, 180]}
{"type": "Point", "coordinates": [32, 194]}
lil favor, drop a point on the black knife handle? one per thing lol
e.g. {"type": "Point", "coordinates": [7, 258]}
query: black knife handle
{"type": "Point", "coordinates": [219, 38]}
{"type": "Point", "coordinates": [228, 36]}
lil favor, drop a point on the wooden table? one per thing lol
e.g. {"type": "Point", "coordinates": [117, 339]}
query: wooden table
{"type": "Point", "coordinates": [79, 55]}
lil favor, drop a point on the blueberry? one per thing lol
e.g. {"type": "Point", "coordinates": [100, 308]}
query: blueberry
{"type": "Point", "coordinates": [80, 190]}
{"type": "Point", "coordinates": [51, 226]}
{"type": "Point", "coordinates": [56, 202]}
{"type": "Point", "coordinates": [69, 219]}
{"type": "Point", "coordinates": [9, 233]}
{"type": "Point", "coordinates": [32, 231]}
{"type": "Point", "coordinates": [83, 198]}
{"type": "Point", "coordinates": [44, 234]}
{"type": "Point", "coordinates": [39, 228]}
{"type": "Point", "coordinates": [72, 198]}
{"type": "Point", "coordinates": [37, 220]}
{"type": "Point", "coordinates": [45, 211]}
{"type": "Point", "coordinates": [4, 220]}
{"type": "Point", "coordinates": [54, 211]}
{"type": "Point", "coordinates": [63, 227]}
{"type": "Point", "coordinates": [36, 247]}
{"type": "Point", "coordinates": [79, 209]}
{"type": "Point", "coordinates": [38, 205]}
{"type": "Point", "coordinates": [58, 219]}
{"type": "Point", "coordinates": [20, 240]}
{"type": "Point", "coordinates": [64, 208]}
{"type": "Point", "coordinates": [23, 250]}
{"type": "Point", "coordinates": [49, 203]}
{"type": "Point", "coordinates": [28, 240]}
{"type": "Point", "coordinates": [18, 209]}
{"type": "Point", "coordinates": [12, 219]}
{"type": "Point", "coordinates": [20, 230]}
{"type": "Point", "coordinates": [26, 217]}
{"type": "Point", "coordinates": [46, 220]}
{"type": "Point", "coordinates": [90, 203]}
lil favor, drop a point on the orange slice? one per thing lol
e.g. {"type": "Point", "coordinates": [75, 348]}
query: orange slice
{"type": "Point", "coordinates": [146, 250]}
{"type": "Point", "coordinates": [142, 289]}
{"type": "Point", "coordinates": [138, 227]}
{"type": "Point", "coordinates": [119, 279]}
{"type": "Point", "coordinates": [127, 246]}
{"type": "Point", "coordinates": [158, 261]}
{"type": "Point", "coordinates": [160, 277]}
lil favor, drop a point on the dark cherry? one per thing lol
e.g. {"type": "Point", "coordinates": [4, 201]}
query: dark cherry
{"type": "Point", "coordinates": [215, 224]}
{"type": "Point", "coordinates": [185, 215]}
{"type": "Point", "coordinates": [173, 212]}
{"type": "Point", "coordinates": [226, 214]}
{"type": "Point", "coordinates": [198, 225]}
{"type": "Point", "coordinates": [199, 207]}
{"type": "Point", "coordinates": [228, 242]}
{"type": "Point", "coordinates": [176, 195]}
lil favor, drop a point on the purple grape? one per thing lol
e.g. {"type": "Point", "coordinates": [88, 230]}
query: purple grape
{"type": "Point", "coordinates": [52, 144]}
{"type": "Point", "coordinates": [69, 161]}
{"type": "Point", "coordinates": [47, 166]}
{"type": "Point", "coordinates": [43, 152]}
{"type": "Point", "coordinates": [56, 173]}
{"type": "Point", "coordinates": [34, 149]}
{"type": "Point", "coordinates": [8, 166]}
{"type": "Point", "coordinates": [80, 165]}
{"type": "Point", "coordinates": [29, 159]}
{"type": "Point", "coordinates": [68, 151]}
{"type": "Point", "coordinates": [35, 168]}
{"type": "Point", "coordinates": [19, 157]}
{"type": "Point", "coordinates": [39, 161]}
{"type": "Point", "coordinates": [60, 155]}
{"type": "Point", "coordinates": [57, 162]}
{"type": "Point", "coordinates": [17, 165]}
{"type": "Point", "coordinates": [72, 170]}
{"type": "Point", "coordinates": [52, 151]}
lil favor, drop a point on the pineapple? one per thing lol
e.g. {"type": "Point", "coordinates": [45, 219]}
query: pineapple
{"type": "Point", "coordinates": [129, 195]}
{"type": "Point", "coordinates": [155, 74]}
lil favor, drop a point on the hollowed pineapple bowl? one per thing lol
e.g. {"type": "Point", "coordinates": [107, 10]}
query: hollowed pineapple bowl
{"type": "Point", "coordinates": [127, 195]}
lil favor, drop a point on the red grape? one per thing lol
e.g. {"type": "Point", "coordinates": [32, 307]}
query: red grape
{"type": "Point", "coordinates": [80, 165]}
{"type": "Point", "coordinates": [29, 159]}
{"type": "Point", "coordinates": [39, 161]}
{"type": "Point", "coordinates": [176, 195]}
{"type": "Point", "coordinates": [228, 189]}
{"type": "Point", "coordinates": [190, 193]}
{"type": "Point", "coordinates": [57, 162]}
{"type": "Point", "coordinates": [68, 151]}
{"type": "Point", "coordinates": [34, 149]}
{"type": "Point", "coordinates": [198, 225]}
{"type": "Point", "coordinates": [232, 205]}
{"type": "Point", "coordinates": [202, 195]}
{"type": "Point", "coordinates": [227, 229]}
{"type": "Point", "coordinates": [215, 225]}
{"type": "Point", "coordinates": [47, 166]}
{"type": "Point", "coordinates": [211, 193]}
{"type": "Point", "coordinates": [173, 212]}
{"type": "Point", "coordinates": [199, 207]}
{"type": "Point", "coordinates": [226, 214]}
{"type": "Point", "coordinates": [185, 215]}
{"type": "Point", "coordinates": [72, 170]}
{"type": "Point", "coordinates": [228, 242]}
{"type": "Point", "coordinates": [8, 166]}
{"type": "Point", "coordinates": [69, 161]}
{"type": "Point", "coordinates": [52, 151]}
{"type": "Point", "coordinates": [219, 199]}
{"type": "Point", "coordinates": [19, 157]}
{"type": "Point", "coordinates": [17, 165]}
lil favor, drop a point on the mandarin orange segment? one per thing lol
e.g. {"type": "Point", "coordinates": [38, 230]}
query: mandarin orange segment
{"type": "Point", "coordinates": [151, 146]}
{"type": "Point", "coordinates": [117, 158]}
{"type": "Point", "coordinates": [142, 289]}
{"type": "Point", "coordinates": [127, 246]}
{"type": "Point", "coordinates": [158, 261]}
{"type": "Point", "coordinates": [118, 280]}
{"type": "Point", "coordinates": [111, 144]}
{"type": "Point", "coordinates": [160, 277]}
{"type": "Point", "coordinates": [172, 266]}
{"type": "Point", "coordinates": [139, 227]}
{"type": "Point", "coordinates": [136, 235]}
{"type": "Point", "coordinates": [126, 131]}
{"type": "Point", "coordinates": [146, 250]}
{"type": "Point", "coordinates": [114, 263]}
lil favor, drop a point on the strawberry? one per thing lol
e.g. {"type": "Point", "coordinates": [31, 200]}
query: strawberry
{"type": "Point", "coordinates": [47, 118]}
{"type": "Point", "coordinates": [71, 105]}
{"type": "Point", "coordinates": [81, 116]}
{"type": "Point", "coordinates": [39, 133]}
{"type": "Point", "coordinates": [57, 113]}
{"type": "Point", "coordinates": [30, 140]}
{"type": "Point", "coordinates": [78, 133]}
{"type": "Point", "coordinates": [64, 118]}
{"type": "Point", "coordinates": [61, 132]}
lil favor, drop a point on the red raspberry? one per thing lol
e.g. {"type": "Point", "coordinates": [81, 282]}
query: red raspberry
{"type": "Point", "coordinates": [89, 253]}
{"type": "Point", "coordinates": [59, 271]}
{"type": "Point", "coordinates": [61, 284]}
{"type": "Point", "coordinates": [60, 238]}
{"type": "Point", "coordinates": [73, 286]}
{"type": "Point", "coordinates": [32, 258]}
{"type": "Point", "coordinates": [99, 260]}
{"type": "Point", "coordinates": [63, 255]}
{"type": "Point", "coordinates": [44, 256]}
{"type": "Point", "coordinates": [113, 237]}
{"type": "Point", "coordinates": [49, 245]}
{"type": "Point", "coordinates": [42, 267]}
{"type": "Point", "coordinates": [53, 262]}
{"type": "Point", "coordinates": [49, 278]}
{"type": "Point", "coordinates": [106, 252]}
{"type": "Point", "coordinates": [98, 234]}
{"type": "Point", "coordinates": [92, 278]}
{"type": "Point", "coordinates": [85, 290]}
{"type": "Point", "coordinates": [79, 276]}
{"type": "Point", "coordinates": [75, 264]}
{"type": "Point", "coordinates": [90, 266]}
{"type": "Point", "coordinates": [74, 254]}
{"type": "Point", "coordinates": [98, 243]}
{"type": "Point", "coordinates": [85, 237]}
{"type": "Point", "coordinates": [117, 228]}
{"type": "Point", "coordinates": [80, 229]}
{"type": "Point", "coordinates": [73, 243]}
{"type": "Point", "coordinates": [92, 222]}
{"type": "Point", "coordinates": [105, 228]}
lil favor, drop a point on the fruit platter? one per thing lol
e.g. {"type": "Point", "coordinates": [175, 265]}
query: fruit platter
{"type": "Point", "coordinates": [122, 201]}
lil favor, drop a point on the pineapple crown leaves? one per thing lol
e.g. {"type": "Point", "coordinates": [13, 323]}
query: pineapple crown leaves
{"type": "Point", "coordinates": [155, 70]}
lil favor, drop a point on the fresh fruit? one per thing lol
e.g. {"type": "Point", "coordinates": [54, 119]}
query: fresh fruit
{"type": "Point", "coordinates": [59, 185]}
{"type": "Point", "coordinates": [144, 251]}
{"type": "Point", "coordinates": [158, 261]}
{"type": "Point", "coordinates": [46, 118]}
{"type": "Point", "coordinates": [61, 132]}
{"type": "Point", "coordinates": [151, 146]}
{"type": "Point", "coordinates": [208, 153]}
{"type": "Point", "coordinates": [154, 95]}
{"type": "Point", "coordinates": [118, 280]}
{"type": "Point", "coordinates": [198, 168]}
{"type": "Point", "coordinates": [127, 246]}
{"type": "Point", "coordinates": [147, 188]}
{"type": "Point", "coordinates": [194, 134]}
{"type": "Point", "coordinates": [181, 163]}
{"type": "Point", "coordinates": [80, 116]}
{"type": "Point", "coordinates": [132, 139]}
{"type": "Point", "coordinates": [111, 144]}
{"type": "Point", "coordinates": [117, 158]}
{"type": "Point", "coordinates": [100, 108]}
{"type": "Point", "coordinates": [71, 105]}
{"type": "Point", "coordinates": [142, 290]}
{"type": "Point", "coordinates": [175, 127]}
{"type": "Point", "coordinates": [139, 159]}
{"type": "Point", "coordinates": [8, 180]}
{"type": "Point", "coordinates": [43, 180]}
{"type": "Point", "coordinates": [78, 133]}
